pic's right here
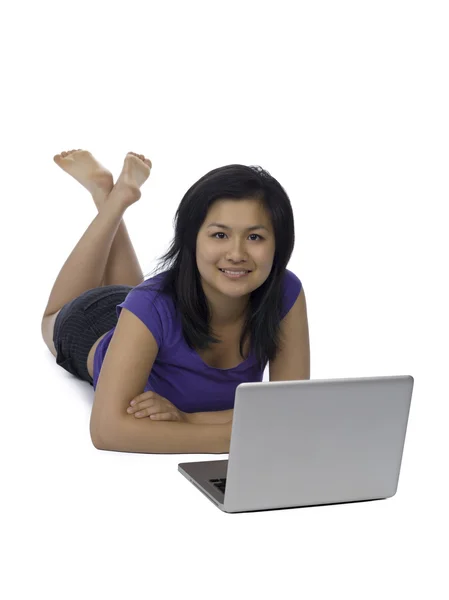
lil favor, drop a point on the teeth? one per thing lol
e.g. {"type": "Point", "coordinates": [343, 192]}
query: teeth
{"type": "Point", "coordinates": [234, 272]}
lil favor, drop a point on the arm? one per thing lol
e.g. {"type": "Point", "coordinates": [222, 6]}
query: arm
{"type": "Point", "coordinates": [292, 362]}
{"type": "Point", "coordinates": [219, 417]}
{"type": "Point", "coordinates": [133, 350]}
{"type": "Point", "coordinates": [165, 437]}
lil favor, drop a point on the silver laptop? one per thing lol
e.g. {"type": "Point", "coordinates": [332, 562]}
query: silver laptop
{"type": "Point", "coordinates": [309, 442]}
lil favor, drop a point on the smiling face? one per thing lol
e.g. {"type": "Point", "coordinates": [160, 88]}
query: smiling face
{"type": "Point", "coordinates": [234, 245]}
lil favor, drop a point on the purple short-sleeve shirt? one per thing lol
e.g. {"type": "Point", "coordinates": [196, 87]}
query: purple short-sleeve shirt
{"type": "Point", "coordinates": [179, 373]}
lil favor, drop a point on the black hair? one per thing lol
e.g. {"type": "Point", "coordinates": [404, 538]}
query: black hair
{"type": "Point", "coordinates": [182, 278]}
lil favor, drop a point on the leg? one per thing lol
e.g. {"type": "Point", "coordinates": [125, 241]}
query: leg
{"type": "Point", "coordinates": [122, 266]}
{"type": "Point", "coordinates": [84, 268]}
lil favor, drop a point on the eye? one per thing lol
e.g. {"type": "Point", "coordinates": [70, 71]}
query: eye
{"type": "Point", "coordinates": [222, 233]}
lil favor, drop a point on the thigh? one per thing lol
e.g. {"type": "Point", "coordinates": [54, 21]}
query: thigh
{"type": "Point", "coordinates": [81, 322]}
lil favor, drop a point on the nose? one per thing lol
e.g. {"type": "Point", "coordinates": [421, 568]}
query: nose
{"type": "Point", "coordinates": [237, 252]}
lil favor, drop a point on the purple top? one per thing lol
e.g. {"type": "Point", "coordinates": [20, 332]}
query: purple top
{"type": "Point", "coordinates": [179, 373]}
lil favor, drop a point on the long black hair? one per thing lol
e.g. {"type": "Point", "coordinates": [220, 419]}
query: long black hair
{"type": "Point", "coordinates": [182, 278]}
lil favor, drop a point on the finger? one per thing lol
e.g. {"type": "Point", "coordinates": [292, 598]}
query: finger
{"type": "Point", "coordinates": [144, 412]}
{"type": "Point", "coordinates": [136, 408]}
{"type": "Point", "coordinates": [150, 412]}
{"type": "Point", "coordinates": [142, 405]}
{"type": "Point", "coordinates": [144, 396]}
{"type": "Point", "coordinates": [162, 417]}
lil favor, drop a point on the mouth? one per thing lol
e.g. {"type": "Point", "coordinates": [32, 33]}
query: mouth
{"type": "Point", "coordinates": [236, 275]}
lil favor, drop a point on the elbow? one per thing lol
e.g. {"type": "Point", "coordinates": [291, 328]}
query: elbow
{"type": "Point", "coordinates": [114, 438]}
{"type": "Point", "coordinates": [96, 439]}
{"type": "Point", "coordinates": [97, 436]}
{"type": "Point", "coordinates": [102, 443]}
{"type": "Point", "coordinates": [106, 431]}
{"type": "Point", "coordinates": [97, 444]}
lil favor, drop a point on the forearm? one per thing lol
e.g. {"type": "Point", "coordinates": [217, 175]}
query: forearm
{"type": "Point", "coordinates": [165, 437]}
{"type": "Point", "coordinates": [219, 417]}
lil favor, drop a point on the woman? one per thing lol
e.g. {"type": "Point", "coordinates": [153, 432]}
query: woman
{"type": "Point", "coordinates": [214, 329]}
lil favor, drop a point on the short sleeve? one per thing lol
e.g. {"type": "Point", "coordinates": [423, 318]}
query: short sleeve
{"type": "Point", "coordinates": [145, 304]}
{"type": "Point", "coordinates": [292, 288]}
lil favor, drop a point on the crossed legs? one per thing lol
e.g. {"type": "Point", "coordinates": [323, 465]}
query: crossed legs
{"type": "Point", "coordinates": [104, 255]}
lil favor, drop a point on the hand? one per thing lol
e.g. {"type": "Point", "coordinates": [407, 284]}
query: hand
{"type": "Point", "coordinates": [158, 408]}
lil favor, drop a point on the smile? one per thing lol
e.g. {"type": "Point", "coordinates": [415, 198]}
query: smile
{"type": "Point", "coordinates": [237, 275]}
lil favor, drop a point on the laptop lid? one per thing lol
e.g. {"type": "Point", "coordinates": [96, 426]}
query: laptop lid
{"type": "Point", "coordinates": [308, 442]}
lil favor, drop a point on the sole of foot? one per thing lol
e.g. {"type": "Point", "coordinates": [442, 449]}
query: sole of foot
{"type": "Point", "coordinates": [83, 167]}
{"type": "Point", "coordinates": [98, 180]}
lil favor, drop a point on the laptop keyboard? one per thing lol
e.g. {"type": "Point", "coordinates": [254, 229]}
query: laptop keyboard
{"type": "Point", "coordinates": [219, 483]}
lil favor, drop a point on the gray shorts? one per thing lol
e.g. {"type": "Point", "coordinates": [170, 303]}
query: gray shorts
{"type": "Point", "coordinates": [81, 322]}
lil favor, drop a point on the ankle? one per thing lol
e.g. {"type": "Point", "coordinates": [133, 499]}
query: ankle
{"type": "Point", "coordinates": [99, 197]}
{"type": "Point", "coordinates": [124, 193]}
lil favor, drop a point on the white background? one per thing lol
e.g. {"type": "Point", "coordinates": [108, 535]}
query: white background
{"type": "Point", "coordinates": [346, 104]}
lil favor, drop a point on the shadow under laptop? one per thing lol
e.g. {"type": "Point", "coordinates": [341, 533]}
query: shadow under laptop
{"type": "Point", "coordinates": [306, 506]}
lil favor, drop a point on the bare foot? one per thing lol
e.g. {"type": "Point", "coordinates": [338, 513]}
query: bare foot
{"type": "Point", "coordinates": [136, 170]}
{"type": "Point", "coordinates": [81, 165]}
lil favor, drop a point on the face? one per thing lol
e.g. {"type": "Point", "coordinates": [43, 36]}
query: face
{"type": "Point", "coordinates": [234, 247]}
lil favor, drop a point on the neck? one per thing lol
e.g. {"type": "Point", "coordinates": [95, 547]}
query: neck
{"type": "Point", "coordinates": [229, 322]}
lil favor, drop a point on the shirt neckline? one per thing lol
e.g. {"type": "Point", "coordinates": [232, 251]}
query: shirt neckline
{"type": "Point", "coordinates": [239, 366]}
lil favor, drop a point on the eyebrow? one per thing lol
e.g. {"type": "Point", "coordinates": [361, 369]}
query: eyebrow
{"type": "Point", "coordinates": [247, 229]}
